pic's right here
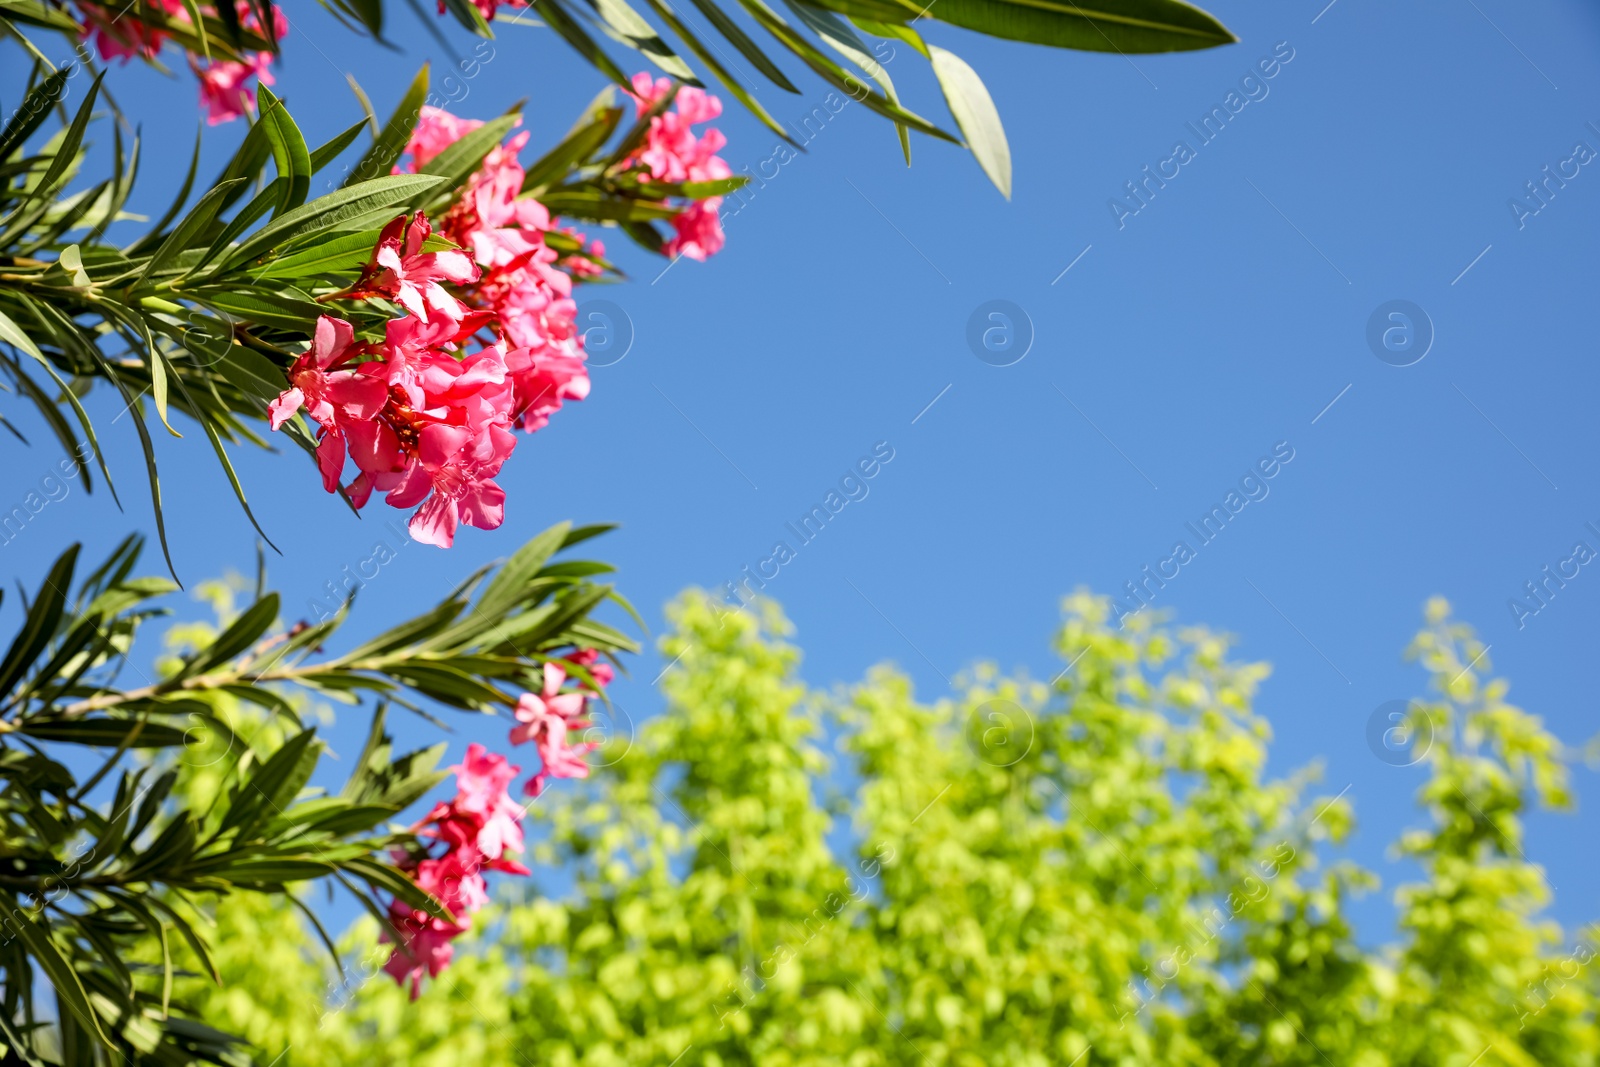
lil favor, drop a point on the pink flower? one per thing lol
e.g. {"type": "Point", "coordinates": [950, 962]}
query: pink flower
{"type": "Point", "coordinates": [330, 396]}
{"type": "Point", "coordinates": [672, 152]}
{"type": "Point", "coordinates": [436, 130]}
{"type": "Point", "coordinates": [589, 659]}
{"type": "Point", "coordinates": [487, 7]}
{"type": "Point", "coordinates": [453, 481]}
{"type": "Point", "coordinates": [223, 88]}
{"type": "Point", "coordinates": [455, 880]}
{"type": "Point", "coordinates": [222, 82]}
{"type": "Point", "coordinates": [581, 266]}
{"type": "Point", "coordinates": [481, 781]}
{"type": "Point", "coordinates": [699, 229]}
{"type": "Point", "coordinates": [547, 717]}
{"type": "Point", "coordinates": [477, 827]}
{"type": "Point", "coordinates": [424, 946]}
{"type": "Point", "coordinates": [400, 269]}
{"type": "Point", "coordinates": [119, 38]}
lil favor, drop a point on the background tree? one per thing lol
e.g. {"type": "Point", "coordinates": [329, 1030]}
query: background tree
{"type": "Point", "coordinates": [1094, 871]}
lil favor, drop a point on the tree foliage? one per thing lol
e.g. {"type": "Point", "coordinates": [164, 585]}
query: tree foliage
{"type": "Point", "coordinates": [1095, 871]}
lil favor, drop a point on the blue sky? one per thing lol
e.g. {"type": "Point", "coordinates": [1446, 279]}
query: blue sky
{"type": "Point", "coordinates": [1171, 349]}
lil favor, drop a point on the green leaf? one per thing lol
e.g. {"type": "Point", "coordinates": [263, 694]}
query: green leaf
{"type": "Point", "coordinates": [289, 152]}
{"type": "Point", "coordinates": [67, 153]}
{"type": "Point", "coordinates": [892, 30]}
{"type": "Point", "coordinates": [467, 13]}
{"type": "Point", "coordinates": [736, 36]}
{"type": "Point", "coordinates": [196, 943]}
{"type": "Point", "coordinates": [63, 976]}
{"type": "Point", "coordinates": [42, 620]}
{"type": "Point", "coordinates": [704, 54]}
{"type": "Point", "coordinates": [249, 371]}
{"type": "Point", "coordinates": [329, 151]}
{"type": "Point", "coordinates": [1127, 26]}
{"type": "Point", "coordinates": [381, 876]}
{"type": "Point", "coordinates": [509, 584]}
{"type": "Point", "coordinates": [31, 113]}
{"type": "Point", "coordinates": [284, 310]}
{"type": "Point", "coordinates": [11, 332]}
{"type": "Point", "coordinates": [836, 75]}
{"type": "Point", "coordinates": [597, 206]}
{"type": "Point", "coordinates": [392, 139]}
{"type": "Point", "coordinates": [275, 871]}
{"type": "Point", "coordinates": [639, 34]}
{"type": "Point", "coordinates": [564, 24]}
{"type": "Point", "coordinates": [192, 228]}
{"type": "Point", "coordinates": [578, 145]}
{"type": "Point", "coordinates": [344, 207]}
{"type": "Point", "coordinates": [274, 784]}
{"type": "Point", "coordinates": [838, 35]}
{"type": "Point", "coordinates": [103, 732]}
{"type": "Point", "coordinates": [247, 162]}
{"type": "Point", "coordinates": [346, 252]}
{"type": "Point", "coordinates": [975, 114]}
{"type": "Point", "coordinates": [243, 632]}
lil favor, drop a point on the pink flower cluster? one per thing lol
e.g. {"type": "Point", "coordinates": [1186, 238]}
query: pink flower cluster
{"type": "Point", "coordinates": [482, 825]}
{"type": "Point", "coordinates": [224, 84]}
{"type": "Point", "coordinates": [478, 829]}
{"type": "Point", "coordinates": [672, 152]}
{"type": "Point", "coordinates": [549, 717]}
{"type": "Point", "coordinates": [419, 423]}
{"type": "Point", "coordinates": [521, 285]}
{"type": "Point", "coordinates": [489, 340]}
{"type": "Point", "coordinates": [487, 8]}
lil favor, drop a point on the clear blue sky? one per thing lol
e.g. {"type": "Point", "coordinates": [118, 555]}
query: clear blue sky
{"type": "Point", "coordinates": [1222, 318]}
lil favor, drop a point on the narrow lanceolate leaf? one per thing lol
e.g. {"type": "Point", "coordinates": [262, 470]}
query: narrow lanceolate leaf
{"type": "Point", "coordinates": [205, 417]}
{"type": "Point", "coordinates": [467, 13]}
{"type": "Point", "coordinates": [343, 208]}
{"type": "Point", "coordinates": [579, 145]}
{"type": "Point", "coordinates": [392, 139]}
{"type": "Point", "coordinates": [839, 36]}
{"type": "Point", "coordinates": [975, 113]}
{"type": "Point", "coordinates": [704, 54]}
{"type": "Point", "coordinates": [289, 152]}
{"type": "Point", "coordinates": [1103, 26]}
{"type": "Point", "coordinates": [589, 204]}
{"type": "Point", "coordinates": [736, 36]}
{"type": "Point", "coordinates": [891, 29]}
{"type": "Point", "coordinates": [63, 976]}
{"type": "Point", "coordinates": [12, 333]}
{"type": "Point", "coordinates": [288, 310]}
{"type": "Point", "coordinates": [103, 732]}
{"type": "Point", "coordinates": [347, 252]}
{"type": "Point", "coordinates": [194, 225]}
{"type": "Point", "coordinates": [636, 32]}
{"type": "Point", "coordinates": [31, 113]}
{"type": "Point", "coordinates": [836, 75]}
{"type": "Point", "coordinates": [326, 153]}
{"type": "Point", "coordinates": [564, 24]}
{"type": "Point", "coordinates": [381, 876]}
{"type": "Point", "coordinates": [240, 635]}
{"type": "Point", "coordinates": [42, 620]}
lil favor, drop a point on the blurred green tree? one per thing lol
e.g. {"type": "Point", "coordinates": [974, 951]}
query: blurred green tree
{"type": "Point", "coordinates": [1093, 871]}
